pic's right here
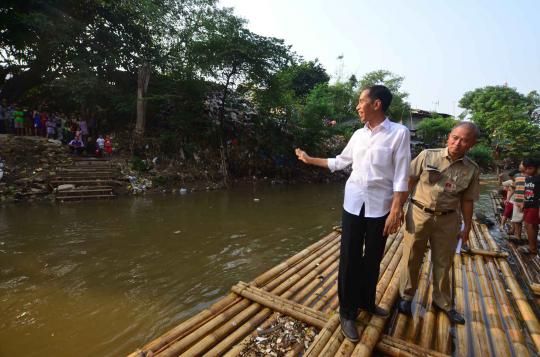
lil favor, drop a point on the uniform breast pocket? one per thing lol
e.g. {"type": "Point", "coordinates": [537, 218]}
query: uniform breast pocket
{"type": "Point", "coordinates": [462, 182]}
{"type": "Point", "coordinates": [381, 156]}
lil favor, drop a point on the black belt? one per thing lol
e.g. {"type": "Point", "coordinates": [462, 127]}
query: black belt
{"type": "Point", "coordinates": [429, 210]}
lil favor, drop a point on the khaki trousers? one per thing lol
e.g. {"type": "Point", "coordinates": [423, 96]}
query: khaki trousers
{"type": "Point", "coordinates": [441, 233]}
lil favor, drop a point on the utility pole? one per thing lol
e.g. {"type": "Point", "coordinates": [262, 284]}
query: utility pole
{"type": "Point", "coordinates": [339, 73]}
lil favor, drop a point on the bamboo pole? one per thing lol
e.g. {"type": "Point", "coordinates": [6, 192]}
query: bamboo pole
{"type": "Point", "coordinates": [284, 306]}
{"type": "Point", "coordinates": [189, 325]}
{"type": "Point", "coordinates": [442, 338]}
{"type": "Point", "coordinates": [331, 294]}
{"type": "Point", "coordinates": [332, 345]}
{"type": "Point", "coordinates": [462, 345]}
{"type": "Point", "coordinates": [479, 333]}
{"type": "Point", "coordinates": [474, 242]}
{"type": "Point", "coordinates": [372, 332]}
{"type": "Point", "coordinates": [280, 269]}
{"type": "Point", "coordinates": [333, 301]}
{"type": "Point", "coordinates": [511, 325]}
{"type": "Point", "coordinates": [419, 299]}
{"type": "Point", "coordinates": [486, 253]}
{"type": "Point", "coordinates": [329, 263]}
{"type": "Point", "coordinates": [525, 309]}
{"type": "Point", "coordinates": [521, 264]}
{"type": "Point", "coordinates": [317, 286]}
{"type": "Point", "coordinates": [535, 288]}
{"type": "Point", "coordinates": [483, 243]}
{"type": "Point", "coordinates": [401, 346]}
{"type": "Point", "coordinates": [388, 268]}
{"type": "Point", "coordinates": [428, 325]}
{"type": "Point", "coordinates": [323, 337]}
{"type": "Point", "coordinates": [491, 242]}
{"type": "Point", "coordinates": [276, 271]}
{"type": "Point", "coordinates": [322, 290]}
{"type": "Point", "coordinates": [399, 326]}
{"type": "Point", "coordinates": [240, 313]}
{"type": "Point", "coordinates": [231, 315]}
{"type": "Point", "coordinates": [196, 321]}
{"type": "Point", "coordinates": [489, 304]}
{"type": "Point", "coordinates": [293, 268]}
{"type": "Point", "coordinates": [228, 338]}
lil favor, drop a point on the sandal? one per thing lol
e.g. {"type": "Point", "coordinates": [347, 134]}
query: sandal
{"type": "Point", "coordinates": [525, 250]}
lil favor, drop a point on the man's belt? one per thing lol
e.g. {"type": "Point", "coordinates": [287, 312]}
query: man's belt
{"type": "Point", "coordinates": [429, 210]}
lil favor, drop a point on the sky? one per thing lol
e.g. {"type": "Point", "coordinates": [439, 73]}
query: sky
{"type": "Point", "coordinates": [442, 48]}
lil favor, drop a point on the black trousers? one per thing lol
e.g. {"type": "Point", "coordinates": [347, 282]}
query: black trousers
{"type": "Point", "coordinates": [362, 248]}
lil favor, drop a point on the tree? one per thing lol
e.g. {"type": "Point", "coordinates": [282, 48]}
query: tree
{"type": "Point", "coordinates": [506, 119]}
{"type": "Point", "coordinates": [287, 89]}
{"type": "Point", "coordinates": [303, 77]}
{"type": "Point", "coordinates": [231, 56]}
{"type": "Point", "coordinates": [84, 55]}
{"type": "Point", "coordinates": [434, 131]}
{"type": "Point", "coordinates": [325, 106]}
{"type": "Point", "coordinates": [399, 109]}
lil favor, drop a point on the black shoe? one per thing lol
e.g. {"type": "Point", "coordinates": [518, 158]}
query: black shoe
{"type": "Point", "coordinates": [454, 316]}
{"type": "Point", "coordinates": [405, 307]}
{"type": "Point", "coordinates": [348, 328]}
{"type": "Point", "coordinates": [378, 311]}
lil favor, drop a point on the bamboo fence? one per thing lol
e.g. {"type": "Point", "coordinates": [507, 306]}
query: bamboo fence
{"type": "Point", "coordinates": [500, 319]}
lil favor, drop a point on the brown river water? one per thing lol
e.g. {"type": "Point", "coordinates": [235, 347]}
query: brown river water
{"type": "Point", "coordinates": [102, 278]}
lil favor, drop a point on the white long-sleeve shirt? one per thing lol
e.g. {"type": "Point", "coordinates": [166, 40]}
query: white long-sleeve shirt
{"type": "Point", "coordinates": [380, 166]}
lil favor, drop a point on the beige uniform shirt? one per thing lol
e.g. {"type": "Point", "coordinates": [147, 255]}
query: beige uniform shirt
{"type": "Point", "coordinates": [442, 184]}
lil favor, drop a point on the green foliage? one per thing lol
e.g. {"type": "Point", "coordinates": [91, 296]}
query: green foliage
{"type": "Point", "coordinates": [139, 164]}
{"type": "Point", "coordinates": [231, 55]}
{"type": "Point", "coordinates": [506, 119]}
{"type": "Point", "coordinates": [324, 105]}
{"type": "Point", "coordinates": [399, 108]}
{"type": "Point", "coordinates": [160, 181]}
{"type": "Point", "coordinates": [434, 131]}
{"type": "Point", "coordinates": [482, 155]}
{"type": "Point", "coordinates": [302, 78]}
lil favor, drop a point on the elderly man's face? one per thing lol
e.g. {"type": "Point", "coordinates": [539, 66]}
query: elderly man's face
{"type": "Point", "coordinates": [460, 140]}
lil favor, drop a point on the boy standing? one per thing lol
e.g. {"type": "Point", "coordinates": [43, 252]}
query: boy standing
{"type": "Point", "coordinates": [531, 204]}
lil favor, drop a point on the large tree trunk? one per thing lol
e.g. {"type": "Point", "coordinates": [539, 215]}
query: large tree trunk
{"type": "Point", "coordinates": [222, 143]}
{"type": "Point", "coordinates": [142, 86]}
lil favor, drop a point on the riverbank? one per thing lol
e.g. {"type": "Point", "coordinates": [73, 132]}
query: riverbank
{"type": "Point", "coordinates": [31, 163]}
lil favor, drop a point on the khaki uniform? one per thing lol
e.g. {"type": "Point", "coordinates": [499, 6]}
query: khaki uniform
{"type": "Point", "coordinates": [441, 186]}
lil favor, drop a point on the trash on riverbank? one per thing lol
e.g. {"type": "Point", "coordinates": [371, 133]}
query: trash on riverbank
{"type": "Point", "coordinates": [138, 184]}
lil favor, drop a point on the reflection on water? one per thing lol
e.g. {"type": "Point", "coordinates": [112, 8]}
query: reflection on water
{"type": "Point", "coordinates": [101, 278]}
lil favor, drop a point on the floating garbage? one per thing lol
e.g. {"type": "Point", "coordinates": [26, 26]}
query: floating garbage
{"type": "Point", "coordinates": [183, 191]}
{"type": "Point", "coordinates": [256, 200]}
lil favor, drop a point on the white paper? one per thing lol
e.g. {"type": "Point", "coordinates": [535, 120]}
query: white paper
{"type": "Point", "coordinates": [458, 248]}
{"type": "Point", "coordinates": [460, 241]}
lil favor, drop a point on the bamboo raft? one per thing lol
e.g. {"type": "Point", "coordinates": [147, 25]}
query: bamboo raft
{"type": "Point", "coordinates": [500, 320]}
{"type": "Point", "coordinates": [528, 265]}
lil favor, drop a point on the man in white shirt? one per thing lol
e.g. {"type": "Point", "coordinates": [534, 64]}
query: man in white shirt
{"type": "Point", "coordinates": [373, 203]}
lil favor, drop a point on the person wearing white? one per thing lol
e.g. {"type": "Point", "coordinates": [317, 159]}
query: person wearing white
{"type": "Point", "coordinates": [373, 201]}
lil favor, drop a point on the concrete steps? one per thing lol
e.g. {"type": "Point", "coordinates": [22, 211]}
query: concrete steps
{"type": "Point", "coordinates": [92, 178]}
{"type": "Point", "coordinates": [82, 182]}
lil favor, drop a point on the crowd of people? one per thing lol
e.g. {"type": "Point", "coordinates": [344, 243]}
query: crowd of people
{"type": "Point", "coordinates": [521, 194]}
{"type": "Point", "coordinates": [78, 133]}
